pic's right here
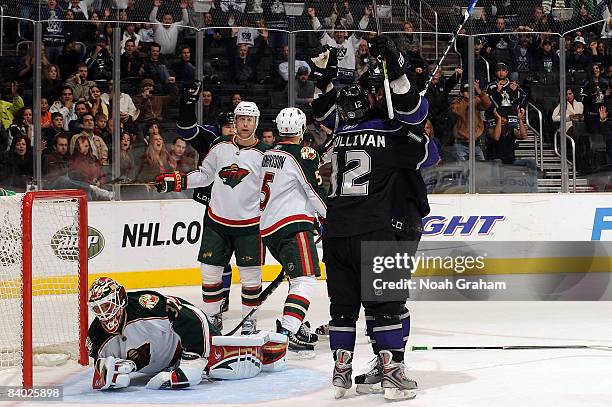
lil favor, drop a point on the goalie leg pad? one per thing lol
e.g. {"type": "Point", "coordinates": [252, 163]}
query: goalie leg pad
{"type": "Point", "coordinates": [112, 373]}
{"type": "Point", "coordinates": [236, 357]}
{"type": "Point", "coordinates": [179, 378]}
{"type": "Point", "coordinates": [274, 353]}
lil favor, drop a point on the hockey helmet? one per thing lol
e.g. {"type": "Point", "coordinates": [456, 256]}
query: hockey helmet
{"type": "Point", "coordinates": [373, 79]}
{"type": "Point", "coordinates": [245, 108]}
{"type": "Point", "coordinates": [353, 104]}
{"type": "Point", "coordinates": [291, 122]}
{"type": "Point", "coordinates": [225, 118]}
{"type": "Point", "coordinates": [107, 300]}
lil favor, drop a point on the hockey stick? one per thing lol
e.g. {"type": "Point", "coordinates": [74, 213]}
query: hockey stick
{"type": "Point", "coordinates": [262, 297]}
{"type": "Point", "coordinates": [384, 64]}
{"type": "Point", "coordinates": [517, 347]}
{"type": "Point", "coordinates": [451, 42]}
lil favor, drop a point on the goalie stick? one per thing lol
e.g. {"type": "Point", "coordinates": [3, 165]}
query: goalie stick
{"type": "Point", "coordinates": [262, 297]}
{"type": "Point", "coordinates": [451, 42]}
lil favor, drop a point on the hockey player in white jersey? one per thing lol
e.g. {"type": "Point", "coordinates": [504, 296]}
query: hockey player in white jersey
{"type": "Point", "coordinates": [169, 338]}
{"type": "Point", "coordinates": [292, 197]}
{"type": "Point", "coordinates": [233, 166]}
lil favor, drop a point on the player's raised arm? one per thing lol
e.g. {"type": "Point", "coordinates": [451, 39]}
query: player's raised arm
{"type": "Point", "coordinates": [324, 71]}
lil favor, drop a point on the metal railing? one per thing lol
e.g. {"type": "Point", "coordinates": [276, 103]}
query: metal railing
{"type": "Point", "coordinates": [573, 162]}
{"type": "Point", "coordinates": [434, 25]}
{"type": "Point", "coordinates": [538, 139]}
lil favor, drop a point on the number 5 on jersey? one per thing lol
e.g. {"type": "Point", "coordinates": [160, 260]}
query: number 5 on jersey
{"type": "Point", "coordinates": [265, 190]}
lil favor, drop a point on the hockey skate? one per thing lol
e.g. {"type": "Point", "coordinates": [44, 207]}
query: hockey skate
{"type": "Point", "coordinates": [322, 330]}
{"type": "Point", "coordinates": [217, 321]}
{"type": "Point", "coordinates": [307, 334]}
{"type": "Point", "coordinates": [226, 300]}
{"type": "Point", "coordinates": [369, 382]}
{"type": "Point", "coordinates": [297, 342]}
{"type": "Point", "coordinates": [395, 384]}
{"type": "Point", "coordinates": [343, 369]}
{"type": "Point", "coordinates": [249, 327]}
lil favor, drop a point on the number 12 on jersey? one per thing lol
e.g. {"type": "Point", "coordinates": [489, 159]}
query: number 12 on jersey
{"type": "Point", "coordinates": [348, 185]}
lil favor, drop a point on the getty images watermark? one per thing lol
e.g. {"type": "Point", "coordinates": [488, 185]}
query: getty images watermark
{"type": "Point", "coordinates": [388, 269]}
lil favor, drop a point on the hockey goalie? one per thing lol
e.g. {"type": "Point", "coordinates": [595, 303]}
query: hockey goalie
{"type": "Point", "coordinates": [170, 339]}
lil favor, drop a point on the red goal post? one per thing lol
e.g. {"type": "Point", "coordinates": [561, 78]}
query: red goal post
{"type": "Point", "coordinates": [43, 271]}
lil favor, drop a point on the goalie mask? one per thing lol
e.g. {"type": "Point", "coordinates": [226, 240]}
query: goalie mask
{"type": "Point", "coordinates": [107, 300]}
{"type": "Point", "coordinates": [353, 104]}
{"type": "Point", "coordinates": [291, 122]}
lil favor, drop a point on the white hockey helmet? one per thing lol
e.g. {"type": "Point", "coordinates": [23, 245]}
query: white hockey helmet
{"type": "Point", "coordinates": [247, 109]}
{"type": "Point", "coordinates": [291, 122]}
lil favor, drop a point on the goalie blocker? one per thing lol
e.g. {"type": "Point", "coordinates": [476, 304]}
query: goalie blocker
{"type": "Point", "coordinates": [147, 332]}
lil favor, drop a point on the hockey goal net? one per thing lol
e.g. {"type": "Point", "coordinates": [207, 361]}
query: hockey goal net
{"type": "Point", "coordinates": [43, 280]}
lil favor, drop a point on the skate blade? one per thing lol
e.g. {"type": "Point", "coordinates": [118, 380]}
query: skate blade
{"type": "Point", "coordinates": [397, 394]}
{"type": "Point", "coordinates": [339, 392]}
{"type": "Point", "coordinates": [369, 388]}
{"type": "Point", "coordinates": [301, 354]}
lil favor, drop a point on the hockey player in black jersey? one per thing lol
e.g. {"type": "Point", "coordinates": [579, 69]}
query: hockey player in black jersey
{"type": "Point", "coordinates": [373, 159]}
{"type": "Point", "coordinates": [200, 137]}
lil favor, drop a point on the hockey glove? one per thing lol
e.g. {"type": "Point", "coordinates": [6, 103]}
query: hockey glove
{"type": "Point", "coordinates": [179, 378]}
{"type": "Point", "coordinates": [191, 93]}
{"type": "Point", "coordinates": [325, 67]}
{"type": "Point", "coordinates": [384, 48]}
{"type": "Point", "coordinates": [112, 373]}
{"type": "Point", "coordinates": [171, 182]}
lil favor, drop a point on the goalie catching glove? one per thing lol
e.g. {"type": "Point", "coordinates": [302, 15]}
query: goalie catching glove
{"type": "Point", "coordinates": [112, 373]}
{"type": "Point", "coordinates": [171, 182]}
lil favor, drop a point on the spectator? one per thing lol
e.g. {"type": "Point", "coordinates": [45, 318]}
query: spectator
{"type": "Point", "coordinates": [179, 159]}
{"type": "Point", "coordinates": [502, 139]}
{"type": "Point", "coordinates": [506, 96]}
{"type": "Point", "coordinates": [304, 89]}
{"type": "Point", "coordinates": [130, 34]}
{"type": "Point", "coordinates": [57, 128]}
{"type": "Point", "coordinates": [95, 103]}
{"type": "Point", "coordinates": [136, 10]}
{"type": "Point", "coordinates": [166, 34]}
{"type": "Point", "coordinates": [235, 98]}
{"type": "Point", "coordinates": [130, 61]}
{"type": "Point", "coordinates": [347, 47]}
{"type": "Point", "coordinates": [499, 44]}
{"type": "Point", "coordinates": [283, 67]}
{"type": "Point", "coordinates": [606, 130]}
{"type": "Point", "coordinates": [100, 60]}
{"type": "Point", "coordinates": [597, 93]}
{"type": "Point", "coordinates": [79, 8]}
{"type": "Point", "coordinates": [26, 67]}
{"type": "Point", "coordinates": [606, 31]}
{"type": "Point", "coordinates": [84, 167]}
{"type": "Point", "coordinates": [481, 69]}
{"type": "Point", "coordinates": [97, 147]}
{"type": "Point", "coordinates": [583, 17]}
{"type": "Point", "coordinates": [268, 137]}
{"type": "Point", "coordinates": [212, 36]}
{"type": "Point", "coordinates": [51, 83]}
{"type": "Point", "coordinates": [75, 125]}
{"type": "Point", "coordinates": [153, 68]}
{"type": "Point", "coordinates": [156, 160]}
{"type": "Point", "coordinates": [56, 162]}
{"type": "Point", "coordinates": [248, 35]}
{"type": "Point", "coordinates": [79, 83]}
{"type": "Point", "coordinates": [539, 21]}
{"type": "Point", "coordinates": [547, 60]}
{"type": "Point", "coordinates": [183, 69]}
{"type": "Point", "coordinates": [23, 125]}
{"type": "Point", "coordinates": [147, 37]}
{"type": "Point", "coordinates": [150, 106]}
{"type": "Point", "coordinates": [599, 54]}
{"type": "Point", "coordinates": [243, 62]}
{"type": "Point", "coordinates": [128, 111]}
{"type": "Point", "coordinates": [363, 59]}
{"type": "Point", "coordinates": [68, 61]}
{"type": "Point", "coordinates": [52, 29]}
{"type": "Point", "coordinates": [278, 24]}
{"type": "Point", "coordinates": [7, 112]}
{"type": "Point", "coordinates": [407, 41]}
{"type": "Point", "coordinates": [523, 56]}
{"type": "Point", "coordinates": [574, 110]}
{"type": "Point", "coordinates": [579, 60]}
{"type": "Point", "coordinates": [209, 110]}
{"type": "Point", "coordinates": [16, 165]}
{"type": "Point", "coordinates": [461, 127]}
{"type": "Point", "coordinates": [45, 115]}
{"type": "Point", "coordinates": [128, 164]}
{"type": "Point", "coordinates": [101, 130]}
{"type": "Point", "coordinates": [438, 97]}
{"type": "Point", "coordinates": [433, 149]}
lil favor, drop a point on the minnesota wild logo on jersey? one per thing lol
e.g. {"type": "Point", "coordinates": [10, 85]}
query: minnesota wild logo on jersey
{"type": "Point", "coordinates": [232, 175]}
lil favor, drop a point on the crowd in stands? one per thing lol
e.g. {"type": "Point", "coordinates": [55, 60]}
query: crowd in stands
{"type": "Point", "coordinates": [514, 62]}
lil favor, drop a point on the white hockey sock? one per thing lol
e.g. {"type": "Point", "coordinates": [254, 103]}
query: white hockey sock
{"type": "Point", "coordinates": [250, 278]}
{"type": "Point", "coordinates": [297, 302]}
{"type": "Point", "coordinates": [212, 288]}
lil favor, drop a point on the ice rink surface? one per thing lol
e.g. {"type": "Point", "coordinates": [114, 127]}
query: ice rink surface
{"type": "Point", "coordinates": [517, 378]}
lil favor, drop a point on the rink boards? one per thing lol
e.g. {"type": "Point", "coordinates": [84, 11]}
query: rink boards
{"type": "Point", "coordinates": [155, 243]}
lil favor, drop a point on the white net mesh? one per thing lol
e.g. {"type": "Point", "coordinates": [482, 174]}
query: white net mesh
{"type": "Point", "coordinates": [55, 279]}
